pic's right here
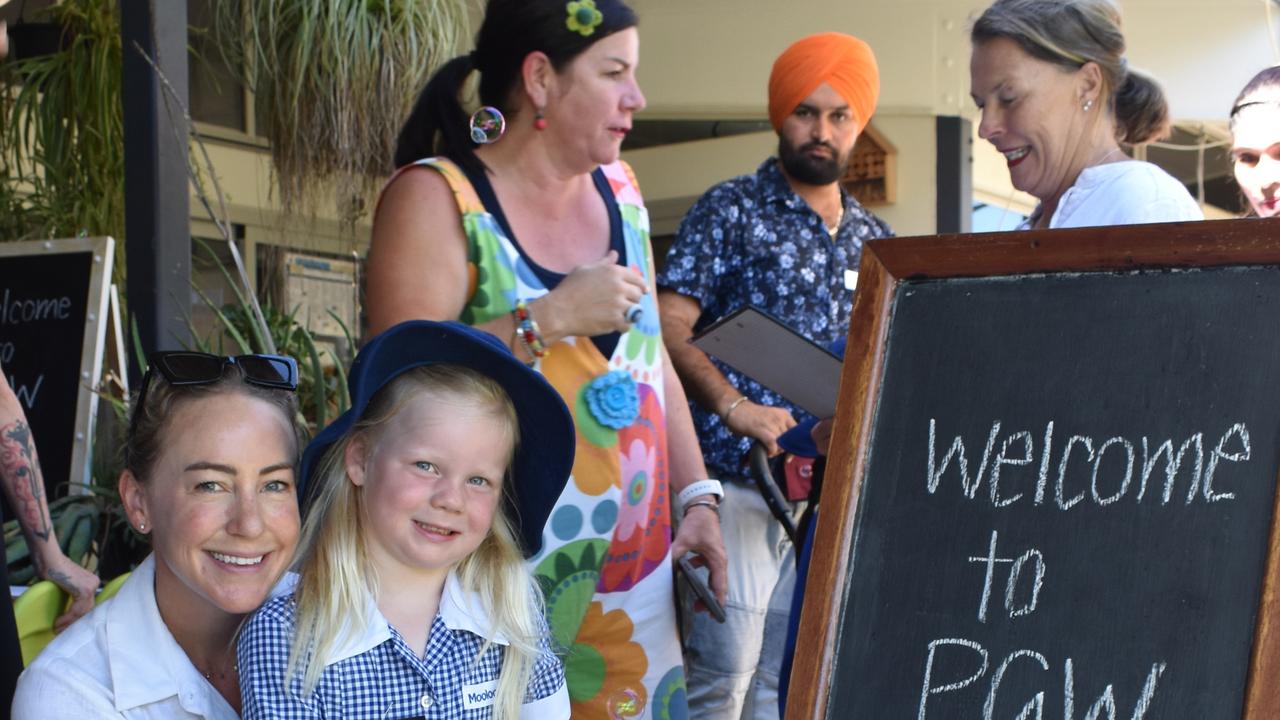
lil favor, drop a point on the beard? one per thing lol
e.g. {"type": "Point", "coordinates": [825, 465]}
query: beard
{"type": "Point", "coordinates": [810, 170]}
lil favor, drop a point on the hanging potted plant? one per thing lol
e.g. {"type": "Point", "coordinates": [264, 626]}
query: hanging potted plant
{"type": "Point", "coordinates": [335, 80]}
{"type": "Point", "coordinates": [62, 131]}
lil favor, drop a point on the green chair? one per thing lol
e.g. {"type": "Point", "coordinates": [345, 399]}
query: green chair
{"type": "Point", "coordinates": [111, 588]}
{"type": "Point", "coordinates": [35, 610]}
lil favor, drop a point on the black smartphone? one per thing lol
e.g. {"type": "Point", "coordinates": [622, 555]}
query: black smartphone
{"type": "Point", "coordinates": [700, 589]}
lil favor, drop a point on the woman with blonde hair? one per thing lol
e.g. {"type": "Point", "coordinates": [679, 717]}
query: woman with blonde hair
{"type": "Point", "coordinates": [1058, 98]}
{"type": "Point", "coordinates": [210, 463]}
{"type": "Point", "coordinates": [412, 597]}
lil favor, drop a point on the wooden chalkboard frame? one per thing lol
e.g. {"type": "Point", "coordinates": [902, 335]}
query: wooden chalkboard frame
{"type": "Point", "coordinates": [886, 263]}
{"type": "Point", "coordinates": [91, 348]}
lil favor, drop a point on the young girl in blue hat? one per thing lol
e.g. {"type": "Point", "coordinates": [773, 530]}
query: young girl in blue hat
{"type": "Point", "coordinates": [412, 597]}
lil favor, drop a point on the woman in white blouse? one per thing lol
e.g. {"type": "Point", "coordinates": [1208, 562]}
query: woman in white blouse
{"type": "Point", "coordinates": [210, 468]}
{"type": "Point", "coordinates": [1057, 98]}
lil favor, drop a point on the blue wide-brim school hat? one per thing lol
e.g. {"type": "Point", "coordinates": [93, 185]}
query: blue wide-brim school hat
{"type": "Point", "coordinates": [544, 457]}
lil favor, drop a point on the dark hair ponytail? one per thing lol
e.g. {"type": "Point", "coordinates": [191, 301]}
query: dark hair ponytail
{"type": "Point", "coordinates": [510, 31]}
{"type": "Point", "coordinates": [437, 110]}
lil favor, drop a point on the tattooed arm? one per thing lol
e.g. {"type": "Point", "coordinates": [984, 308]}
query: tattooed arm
{"type": "Point", "coordinates": [24, 487]}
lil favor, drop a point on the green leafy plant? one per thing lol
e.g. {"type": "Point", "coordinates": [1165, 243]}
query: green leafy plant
{"type": "Point", "coordinates": [334, 81]}
{"type": "Point", "coordinates": [92, 530]}
{"type": "Point", "coordinates": [62, 132]}
{"type": "Point", "coordinates": [61, 175]}
{"type": "Point", "coordinates": [75, 522]}
{"type": "Point", "coordinates": [322, 379]}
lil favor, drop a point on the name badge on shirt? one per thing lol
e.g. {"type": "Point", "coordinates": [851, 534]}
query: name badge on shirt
{"type": "Point", "coordinates": [850, 279]}
{"type": "Point", "coordinates": [479, 695]}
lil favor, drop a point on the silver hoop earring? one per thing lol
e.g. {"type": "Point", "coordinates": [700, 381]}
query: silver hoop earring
{"type": "Point", "coordinates": [487, 125]}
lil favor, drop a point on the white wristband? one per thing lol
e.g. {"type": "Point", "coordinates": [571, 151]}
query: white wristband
{"type": "Point", "coordinates": [702, 487]}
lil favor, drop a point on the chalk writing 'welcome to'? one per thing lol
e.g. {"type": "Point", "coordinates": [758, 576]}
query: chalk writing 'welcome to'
{"type": "Point", "coordinates": [1111, 466]}
{"type": "Point", "coordinates": [1116, 468]}
{"type": "Point", "coordinates": [15, 311]}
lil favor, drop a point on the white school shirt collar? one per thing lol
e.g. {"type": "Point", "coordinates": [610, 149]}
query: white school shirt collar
{"type": "Point", "coordinates": [460, 609]}
{"type": "Point", "coordinates": [147, 665]}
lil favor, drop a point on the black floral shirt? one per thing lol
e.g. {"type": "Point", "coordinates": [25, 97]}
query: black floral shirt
{"type": "Point", "coordinates": [753, 241]}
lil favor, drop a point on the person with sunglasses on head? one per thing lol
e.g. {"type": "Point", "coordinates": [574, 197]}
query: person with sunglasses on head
{"type": "Point", "coordinates": [25, 490]}
{"type": "Point", "coordinates": [209, 478]}
{"type": "Point", "coordinates": [424, 500]}
{"type": "Point", "coordinates": [520, 218]}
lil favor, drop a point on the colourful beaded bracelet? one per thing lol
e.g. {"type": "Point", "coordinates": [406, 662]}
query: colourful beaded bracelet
{"type": "Point", "coordinates": [528, 331]}
{"type": "Point", "coordinates": [528, 351]}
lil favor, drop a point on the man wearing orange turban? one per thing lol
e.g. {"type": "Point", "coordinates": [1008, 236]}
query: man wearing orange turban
{"type": "Point", "coordinates": [785, 239]}
{"type": "Point", "coordinates": [842, 61]}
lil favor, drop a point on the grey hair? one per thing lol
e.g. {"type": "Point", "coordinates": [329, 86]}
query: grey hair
{"type": "Point", "coordinates": [1071, 33]}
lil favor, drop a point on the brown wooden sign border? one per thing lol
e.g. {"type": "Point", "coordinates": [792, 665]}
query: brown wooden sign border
{"type": "Point", "coordinates": [886, 263]}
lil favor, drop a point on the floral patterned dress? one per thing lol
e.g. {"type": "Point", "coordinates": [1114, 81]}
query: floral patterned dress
{"type": "Point", "coordinates": [605, 565]}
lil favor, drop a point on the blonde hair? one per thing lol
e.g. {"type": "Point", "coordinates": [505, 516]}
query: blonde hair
{"type": "Point", "coordinates": [337, 583]}
{"type": "Point", "coordinates": [1070, 33]}
{"type": "Point", "coordinates": [146, 436]}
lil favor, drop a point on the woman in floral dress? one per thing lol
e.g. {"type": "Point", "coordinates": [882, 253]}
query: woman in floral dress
{"type": "Point", "coordinates": [521, 220]}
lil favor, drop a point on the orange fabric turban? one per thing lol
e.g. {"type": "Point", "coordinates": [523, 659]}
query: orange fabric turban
{"type": "Point", "coordinates": [842, 61]}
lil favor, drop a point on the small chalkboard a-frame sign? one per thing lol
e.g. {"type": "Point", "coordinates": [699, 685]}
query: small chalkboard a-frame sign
{"type": "Point", "coordinates": [53, 302]}
{"type": "Point", "coordinates": [1052, 488]}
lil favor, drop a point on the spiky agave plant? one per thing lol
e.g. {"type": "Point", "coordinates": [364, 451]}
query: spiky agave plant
{"type": "Point", "coordinates": [336, 78]}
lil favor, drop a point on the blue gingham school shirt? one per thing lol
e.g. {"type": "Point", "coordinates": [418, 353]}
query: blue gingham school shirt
{"type": "Point", "coordinates": [375, 675]}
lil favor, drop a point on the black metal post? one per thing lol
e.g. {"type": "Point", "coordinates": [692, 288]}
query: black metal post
{"type": "Point", "coordinates": [157, 213]}
{"type": "Point", "coordinates": [955, 174]}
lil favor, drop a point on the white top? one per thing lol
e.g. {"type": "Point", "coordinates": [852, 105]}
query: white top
{"type": "Point", "coordinates": [1123, 193]}
{"type": "Point", "coordinates": [119, 661]}
{"type": "Point", "coordinates": [460, 609]}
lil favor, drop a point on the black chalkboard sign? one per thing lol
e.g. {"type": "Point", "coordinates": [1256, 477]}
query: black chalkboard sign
{"type": "Point", "coordinates": [1052, 491]}
{"type": "Point", "coordinates": [53, 298]}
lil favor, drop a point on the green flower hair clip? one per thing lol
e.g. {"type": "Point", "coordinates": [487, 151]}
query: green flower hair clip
{"type": "Point", "coordinates": [583, 17]}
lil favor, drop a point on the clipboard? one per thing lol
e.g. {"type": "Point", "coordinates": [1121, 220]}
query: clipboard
{"type": "Point", "coordinates": [762, 348]}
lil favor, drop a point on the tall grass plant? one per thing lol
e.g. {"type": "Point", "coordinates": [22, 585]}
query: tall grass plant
{"type": "Point", "coordinates": [333, 81]}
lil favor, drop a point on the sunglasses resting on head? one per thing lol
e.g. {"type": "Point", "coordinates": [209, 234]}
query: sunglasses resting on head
{"type": "Point", "coordinates": [186, 368]}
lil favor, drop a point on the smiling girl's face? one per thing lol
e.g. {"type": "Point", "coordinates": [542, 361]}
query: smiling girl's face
{"type": "Point", "coordinates": [432, 479]}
